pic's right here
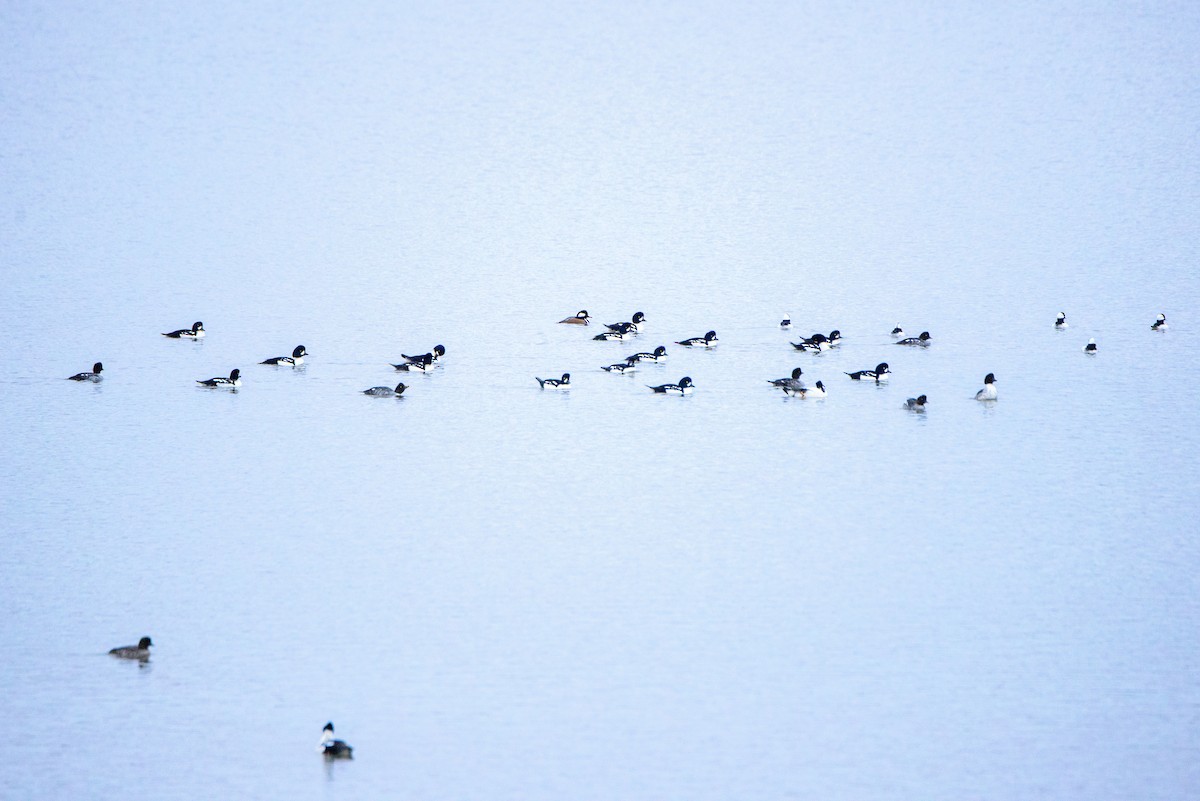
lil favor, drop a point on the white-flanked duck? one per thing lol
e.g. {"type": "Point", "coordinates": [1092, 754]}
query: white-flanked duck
{"type": "Point", "coordinates": [555, 383]}
{"type": "Point", "coordinates": [634, 325]}
{"type": "Point", "coordinates": [295, 360]}
{"type": "Point", "coordinates": [786, 322]}
{"type": "Point", "coordinates": [898, 332]}
{"type": "Point", "coordinates": [581, 318]}
{"type": "Point", "coordinates": [659, 355]}
{"type": "Point", "coordinates": [140, 651]}
{"type": "Point", "coordinates": [233, 382]}
{"type": "Point", "coordinates": [1160, 324]}
{"type": "Point", "coordinates": [93, 376]}
{"type": "Point", "coordinates": [684, 387]}
{"type": "Point", "coordinates": [988, 393]}
{"type": "Point", "coordinates": [814, 344]}
{"type": "Point", "coordinates": [195, 332]}
{"type": "Point", "coordinates": [1090, 347]}
{"type": "Point", "coordinates": [613, 336]}
{"type": "Point", "coordinates": [789, 383]}
{"type": "Point", "coordinates": [627, 366]}
{"type": "Point", "coordinates": [438, 352]}
{"type": "Point", "coordinates": [331, 748]}
{"type": "Point", "coordinates": [916, 404]}
{"type": "Point", "coordinates": [1060, 323]}
{"type": "Point", "coordinates": [386, 392]}
{"type": "Point", "coordinates": [817, 390]}
{"type": "Point", "coordinates": [709, 340]}
{"type": "Point", "coordinates": [920, 342]}
{"type": "Point", "coordinates": [880, 373]}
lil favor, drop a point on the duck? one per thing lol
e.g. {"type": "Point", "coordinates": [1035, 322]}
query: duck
{"type": "Point", "coordinates": [1090, 347]}
{"type": "Point", "coordinates": [416, 364]}
{"type": "Point", "coordinates": [1160, 324]}
{"type": "Point", "coordinates": [684, 387]}
{"type": "Point", "coordinates": [94, 376]}
{"type": "Point", "coordinates": [916, 404]}
{"type": "Point", "coordinates": [659, 355]}
{"type": "Point", "coordinates": [880, 373]}
{"type": "Point", "coordinates": [921, 341]}
{"type": "Point", "coordinates": [233, 382]}
{"type": "Point", "coordinates": [195, 332]}
{"type": "Point", "coordinates": [555, 383]}
{"type": "Point", "coordinates": [386, 392]}
{"type": "Point", "coordinates": [898, 332]}
{"type": "Point", "coordinates": [140, 651]}
{"type": "Point", "coordinates": [612, 336]}
{"type": "Point", "coordinates": [627, 366]}
{"type": "Point", "coordinates": [988, 393]}
{"type": "Point", "coordinates": [789, 383]}
{"type": "Point", "coordinates": [709, 340]}
{"type": "Point", "coordinates": [817, 390]}
{"type": "Point", "coordinates": [835, 338]}
{"type": "Point", "coordinates": [634, 324]}
{"type": "Point", "coordinates": [1061, 322]}
{"type": "Point", "coordinates": [295, 360]}
{"type": "Point", "coordinates": [331, 748]}
{"type": "Point", "coordinates": [438, 352]}
{"type": "Point", "coordinates": [786, 322]}
{"type": "Point", "coordinates": [581, 318]}
{"type": "Point", "coordinates": [814, 344]}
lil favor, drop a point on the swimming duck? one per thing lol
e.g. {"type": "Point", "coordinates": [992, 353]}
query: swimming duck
{"type": "Point", "coordinates": [612, 336]}
{"type": "Point", "coordinates": [709, 340]}
{"type": "Point", "coordinates": [140, 651]}
{"type": "Point", "coordinates": [1061, 322]}
{"type": "Point", "coordinates": [814, 344]}
{"type": "Point", "coordinates": [789, 383]}
{"type": "Point", "coordinates": [233, 382]}
{"type": "Point", "coordinates": [1160, 324]}
{"type": "Point", "coordinates": [416, 364]}
{"type": "Point", "coordinates": [334, 749]}
{"type": "Point", "coordinates": [786, 322]}
{"type": "Point", "coordinates": [921, 341]}
{"type": "Point", "coordinates": [634, 325]}
{"type": "Point", "coordinates": [386, 392]}
{"type": "Point", "coordinates": [437, 353]}
{"type": "Point", "coordinates": [1090, 347]}
{"type": "Point", "coordinates": [817, 390]}
{"type": "Point", "coordinates": [659, 355]}
{"type": "Point", "coordinates": [916, 404]}
{"type": "Point", "coordinates": [880, 373]}
{"type": "Point", "coordinates": [580, 318]}
{"type": "Point", "coordinates": [94, 376]}
{"type": "Point", "coordinates": [295, 360]}
{"type": "Point", "coordinates": [988, 393]}
{"type": "Point", "coordinates": [555, 383]}
{"type": "Point", "coordinates": [898, 332]}
{"type": "Point", "coordinates": [195, 332]}
{"type": "Point", "coordinates": [684, 387]}
{"type": "Point", "coordinates": [627, 366]}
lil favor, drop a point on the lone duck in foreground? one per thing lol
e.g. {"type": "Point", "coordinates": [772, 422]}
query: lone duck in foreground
{"type": "Point", "coordinates": [684, 387]}
{"type": "Point", "coordinates": [916, 404]}
{"type": "Point", "coordinates": [1160, 324]}
{"type": "Point", "coordinates": [195, 332]}
{"type": "Point", "coordinates": [386, 392]}
{"type": "Point", "coordinates": [880, 373]}
{"type": "Point", "coordinates": [581, 318]}
{"type": "Point", "coordinates": [295, 360]}
{"type": "Point", "coordinates": [988, 393]}
{"type": "Point", "coordinates": [709, 340]}
{"type": "Point", "coordinates": [555, 383]}
{"type": "Point", "coordinates": [333, 749]}
{"type": "Point", "coordinates": [140, 651]}
{"type": "Point", "coordinates": [94, 376]}
{"type": "Point", "coordinates": [233, 382]}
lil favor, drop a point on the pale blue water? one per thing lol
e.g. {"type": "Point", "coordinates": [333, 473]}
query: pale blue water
{"type": "Point", "coordinates": [500, 593]}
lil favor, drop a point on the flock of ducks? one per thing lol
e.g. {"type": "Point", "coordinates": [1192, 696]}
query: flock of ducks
{"type": "Point", "coordinates": [330, 747]}
{"type": "Point", "coordinates": [792, 385]}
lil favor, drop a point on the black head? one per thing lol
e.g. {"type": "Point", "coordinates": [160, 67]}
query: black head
{"type": "Point", "coordinates": [328, 727]}
{"type": "Point", "coordinates": [638, 317]}
{"type": "Point", "coordinates": [685, 382]}
{"type": "Point", "coordinates": [711, 335]}
{"type": "Point", "coordinates": [820, 385]}
{"type": "Point", "coordinates": [144, 643]}
{"type": "Point", "coordinates": [882, 367]}
{"type": "Point", "coordinates": [566, 379]}
{"type": "Point", "coordinates": [299, 351]}
{"type": "Point", "coordinates": [660, 351]}
{"type": "Point", "coordinates": [440, 350]}
{"type": "Point", "coordinates": [990, 379]}
{"type": "Point", "coordinates": [233, 375]}
{"type": "Point", "coordinates": [427, 358]}
{"type": "Point", "coordinates": [835, 334]}
{"type": "Point", "coordinates": [797, 373]}
{"type": "Point", "coordinates": [924, 336]}
{"type": "Point", "coordinates": [197, 326]}
{"type": "Point", "coordinates": [922, 400]}
{"type": "Point", "coordinates": [817, 338]}
{"type": "Point", "coordinates": [97, 367]}
{"type": "Point", "coordinates": [400, 388]}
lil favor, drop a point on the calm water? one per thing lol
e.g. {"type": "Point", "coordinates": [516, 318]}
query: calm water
{"type": "Point", "coordinates": [502, 593]}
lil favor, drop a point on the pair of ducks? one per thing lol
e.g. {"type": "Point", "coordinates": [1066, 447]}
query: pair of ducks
{"type": "Point", "coordinates": [684, 387]}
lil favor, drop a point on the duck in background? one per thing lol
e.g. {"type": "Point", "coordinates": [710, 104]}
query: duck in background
{"type": "Point", "coordinates": [331, 748]}
{"type": "Point", "coordinates": [988, 393]}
